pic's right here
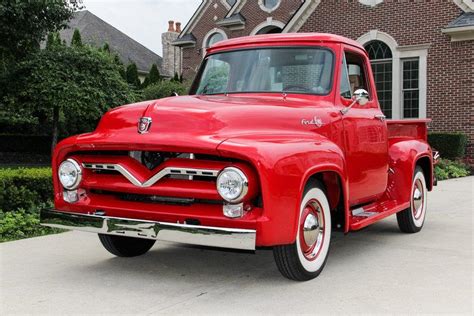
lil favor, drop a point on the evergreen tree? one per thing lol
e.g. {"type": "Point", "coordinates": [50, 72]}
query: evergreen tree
{"type": "Point", "coordinates": [154, 75]}
{"type": "Point", "coordinates": [176, 77]}
{"type": "Point", "coordinates": [132, 75]}
{"type": "Point", "coordinates": [106, 48]}
{"type": "Point", "coordinates": [122, 67]}
{"type": "Point", "coordinates": [76, 40]}
{"type": "Point", "coordinates": [53, 40]}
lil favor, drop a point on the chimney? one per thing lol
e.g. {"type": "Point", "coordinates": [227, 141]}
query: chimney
{"type": "Point", "coordinates": [171, 54]}
{"type": "Point", "coordinates": [171, 26]}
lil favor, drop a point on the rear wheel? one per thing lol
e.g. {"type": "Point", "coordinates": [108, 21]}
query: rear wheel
{"type": "Point", "coordinates": [412, 219]}
{"type": "Point", "coordinates": [305, 259]}
{"type": "Point", "coordinates": [122, 246]}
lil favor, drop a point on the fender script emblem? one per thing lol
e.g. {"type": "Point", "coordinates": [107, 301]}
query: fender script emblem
{"type": "Point", "coordinates": [314, 121]}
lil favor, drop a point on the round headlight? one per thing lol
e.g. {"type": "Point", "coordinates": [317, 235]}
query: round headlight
{"type": "Point", "coordinates": [70, 174]}
{"type": "Point", "coordinates": [232, 184]}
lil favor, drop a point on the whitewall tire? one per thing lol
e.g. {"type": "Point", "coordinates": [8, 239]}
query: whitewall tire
{"type": "Point", "coordinates": [306, 258]}
{"type": "Point", "coordinates": [412, 219]}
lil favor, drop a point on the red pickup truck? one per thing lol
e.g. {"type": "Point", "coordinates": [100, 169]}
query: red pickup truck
{"type": "Point", "coordinates": [280, 142]}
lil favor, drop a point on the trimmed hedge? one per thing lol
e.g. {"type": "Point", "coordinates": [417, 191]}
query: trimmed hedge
{"type": "Point", "coordinates": [25, 188]}
{"type": "Point", "coordinates": [450, 145]}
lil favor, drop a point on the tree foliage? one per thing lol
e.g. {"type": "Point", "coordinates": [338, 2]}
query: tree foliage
{"type": "Point", "coordinates": [76, 40]}
{"type": "Point", "coordinates": [24, 24]}
{"type": "Point", "coordinates": [132, 75]}
{"type": "Point", "coordinates": [69, 85]}
{"type": "Point", "coordinates": [152, 77]}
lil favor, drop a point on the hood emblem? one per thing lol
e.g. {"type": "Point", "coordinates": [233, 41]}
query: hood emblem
{"type": "Point", "coordinates": [144, 124]}
{"type": "Point", "coordinates": [314, 121]}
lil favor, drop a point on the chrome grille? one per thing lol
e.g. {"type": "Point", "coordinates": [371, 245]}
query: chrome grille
{"type": "Point", "coordinates": [157, 177]}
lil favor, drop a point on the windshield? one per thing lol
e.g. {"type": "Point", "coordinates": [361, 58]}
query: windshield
{"type": "Point", "coordinates": [284, 70]}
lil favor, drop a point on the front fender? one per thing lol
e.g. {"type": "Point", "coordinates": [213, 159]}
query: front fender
{"type": "Point", "coordinates": [284, 164]}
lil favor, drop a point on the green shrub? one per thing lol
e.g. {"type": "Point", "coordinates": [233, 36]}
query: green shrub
{"type": "Point", "coordinates": [23, 224]}
{"type": "Point", "coordinates": [450, 145]}
{"type": "Point", "coordinates": [163, 89]}
{"type": "Point", "coordinates": [447, 169]}
{"type": "Point", "coordinates": [24, 188]}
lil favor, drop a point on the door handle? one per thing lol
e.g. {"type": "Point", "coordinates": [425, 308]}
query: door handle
{"type": "Point", "coordinates": [380, 117]}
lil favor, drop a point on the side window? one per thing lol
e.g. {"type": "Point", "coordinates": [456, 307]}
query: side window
{"type": "Point", "coordinates": [353, 75]}
{"type": "Point", "coordinates": [356, 70]}
{"type": "Point", "coordinates": [345, 84]}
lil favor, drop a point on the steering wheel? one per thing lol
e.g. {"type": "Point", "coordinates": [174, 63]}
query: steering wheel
{"type": "Point", "coordinates": [297, 88]}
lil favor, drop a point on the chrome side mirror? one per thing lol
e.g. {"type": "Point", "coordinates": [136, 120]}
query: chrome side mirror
{"type": "Point", "coordinates": [360, 96]}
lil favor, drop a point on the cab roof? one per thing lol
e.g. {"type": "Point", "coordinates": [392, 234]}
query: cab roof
{"type": "Point", "coordinates": [284, 39]}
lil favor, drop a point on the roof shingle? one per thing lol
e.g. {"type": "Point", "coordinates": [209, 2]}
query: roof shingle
{"type": "Point", "coordinates": [97, 32]}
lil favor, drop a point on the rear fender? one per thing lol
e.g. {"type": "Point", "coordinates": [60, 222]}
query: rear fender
{"type": "Point", "coordinates": [404, 156]}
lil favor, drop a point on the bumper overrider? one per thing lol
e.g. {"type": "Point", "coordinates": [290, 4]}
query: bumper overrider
{"type": "Point", "coordinates": [175, 232]}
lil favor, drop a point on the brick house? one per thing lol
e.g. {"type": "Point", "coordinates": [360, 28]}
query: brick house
{"type": "Point", "coordinates": [422, 51]}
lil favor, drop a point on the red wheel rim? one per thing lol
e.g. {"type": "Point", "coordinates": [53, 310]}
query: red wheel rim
{"type": "Point", "coordinates": [312, 230]}
{"type": "Point", "coordinates": [418, 199]}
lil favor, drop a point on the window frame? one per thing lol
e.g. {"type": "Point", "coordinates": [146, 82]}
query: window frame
{"type": "Point", "coordinates": [368, 80]}
{"type": "Point", "coordinates": [383, 61]}
{"type": "Point", "coordinates": [400, 52]}
{"type": "Point", "coordinates": [403, 90]}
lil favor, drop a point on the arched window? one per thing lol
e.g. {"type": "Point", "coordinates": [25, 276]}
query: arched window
{"type": "Point", "coordinates": [380, 57]}
{"type": "Point", "coordinates": [269, 5]}
{"type": "Point", "coordinates": [214, 38]}
{"type": "Point", "coordinates": [271, 29]}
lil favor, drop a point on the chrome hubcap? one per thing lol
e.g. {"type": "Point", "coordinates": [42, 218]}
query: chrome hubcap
{"type": "Point", "coordinates": [312, 230]}
{"type": "Point", "coordinates": [418, 199]}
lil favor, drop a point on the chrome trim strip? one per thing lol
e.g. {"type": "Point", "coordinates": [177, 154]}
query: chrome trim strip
{"type": "Point", "coordinates": [157, 177]}
{"type": "Point", "coordinates": [182, 233]}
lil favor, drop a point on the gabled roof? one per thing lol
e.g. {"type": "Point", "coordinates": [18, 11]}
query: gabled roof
{"type": "Point", "coordinates": [461, 28]}
{"type": "Point", "coordinates": [186, 40]}
{"type": "Point", "coordinates": [235, 19]}
{"type": "Point", "coordinates": [97, 32]}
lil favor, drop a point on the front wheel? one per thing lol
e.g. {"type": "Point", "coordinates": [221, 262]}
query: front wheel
{"type": "Point", "coordinates": [305, 259]}
{"type": "Point", "coordinates": [412, 219]}
{"type": "Point", "coordinates": [122, 246]}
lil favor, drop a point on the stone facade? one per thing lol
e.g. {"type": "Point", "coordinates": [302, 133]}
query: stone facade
{"type": "Point", "coordinates": [417, 30]}
{"type": "Point", "coordinates": [171, 64]}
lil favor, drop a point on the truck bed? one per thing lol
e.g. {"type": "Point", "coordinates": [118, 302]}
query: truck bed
{"type": "Point", "coordinates": [408, 129]}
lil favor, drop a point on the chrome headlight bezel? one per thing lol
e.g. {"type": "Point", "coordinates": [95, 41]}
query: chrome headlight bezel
{"type": "Point", "coordinates": [243, 184]}
{"type": "Point", "coordinates": [78, 175]}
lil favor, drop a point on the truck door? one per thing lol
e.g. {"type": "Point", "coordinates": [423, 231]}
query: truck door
{"type": "Point", "coordinates": [365, 131]}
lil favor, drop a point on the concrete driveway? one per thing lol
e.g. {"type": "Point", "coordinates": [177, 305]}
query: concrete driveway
{"type": "Point", "coordinates": [377, 270]}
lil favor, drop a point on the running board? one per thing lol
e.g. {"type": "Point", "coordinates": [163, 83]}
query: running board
{"type": "Point", "coordinates": [369, 214]}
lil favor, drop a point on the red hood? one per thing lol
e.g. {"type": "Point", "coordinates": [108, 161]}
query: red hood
{"type": "Point", "coordinates": [203, 122]}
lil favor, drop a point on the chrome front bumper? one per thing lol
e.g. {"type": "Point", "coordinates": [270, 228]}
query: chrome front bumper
{"type": "Point", "coordinates": [182, 233]}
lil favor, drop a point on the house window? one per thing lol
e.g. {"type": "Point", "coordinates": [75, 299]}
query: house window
{"type": "Point", "coordinates": [410, 88]}
{"type": "Point", "coordinates": [271, 29]}
{"type": "Point", "coordinates": [269, 5]}
{"type": "Point", "coordinates": [214, 38]}
{"type": "Point", "coordinates": [380, 57]}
